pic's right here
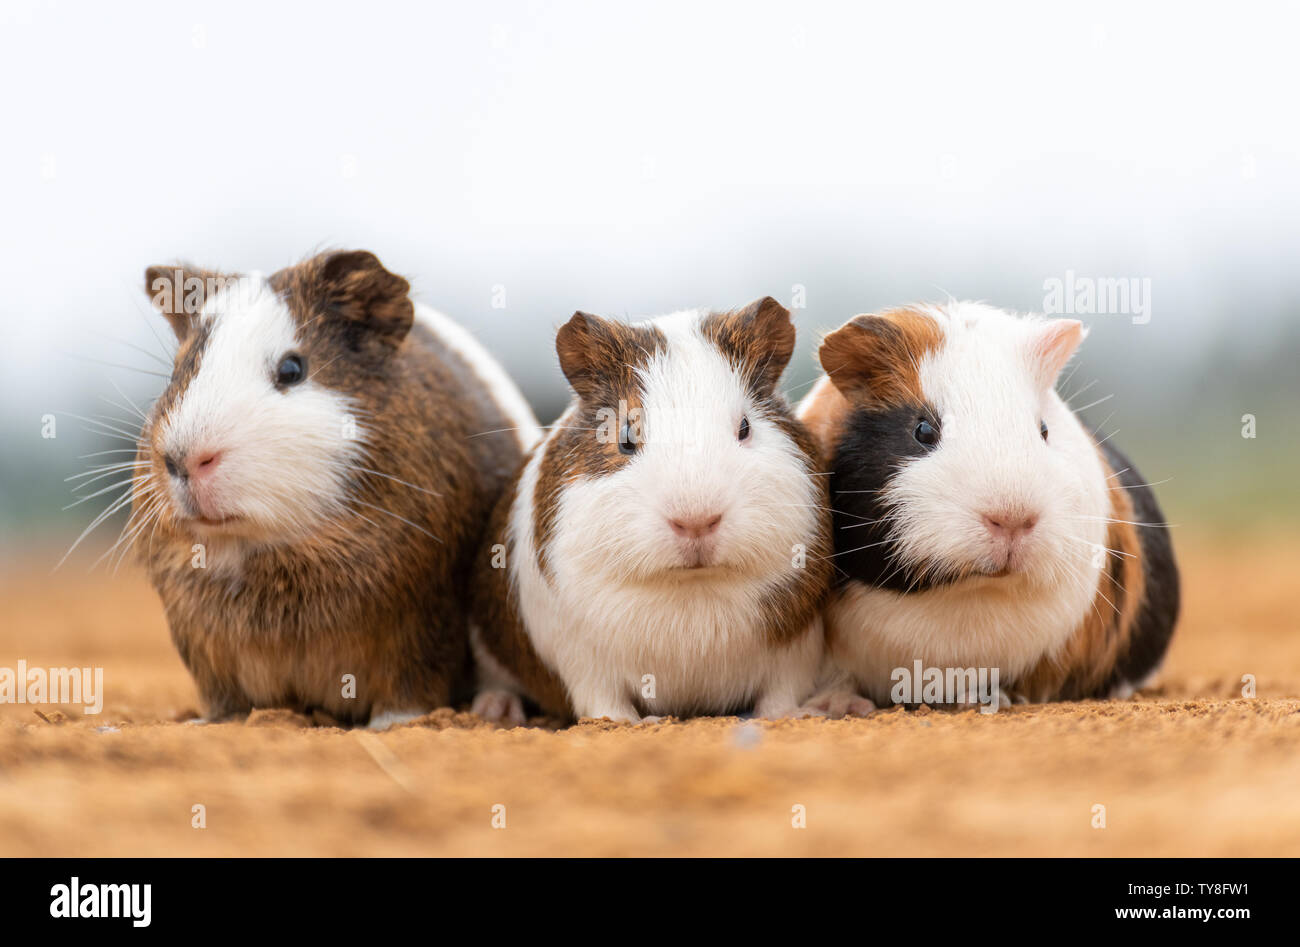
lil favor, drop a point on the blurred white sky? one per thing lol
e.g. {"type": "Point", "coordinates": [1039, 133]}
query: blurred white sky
{"type": "Point", "coordinates": [634, 159]}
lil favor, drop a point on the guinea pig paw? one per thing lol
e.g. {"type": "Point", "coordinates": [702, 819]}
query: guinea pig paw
{"type": "Point", "coordinates": [837, 704]}
{"type": "Point", "coordinates": [499, 706]}
{"type": "Point", "coordinates": [391, 718]}
{"type": "Point", "coordinates": [781, 710]}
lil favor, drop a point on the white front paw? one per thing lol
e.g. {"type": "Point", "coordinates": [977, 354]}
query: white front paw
{"type": "Point", "coordinates": [499, 706]}
{"type": "Point", "coordinates": [839, 703]}
{"type": "Point", "coordinates": [392, 718]}
{"type": "Point", "coordinates": [778, 708]}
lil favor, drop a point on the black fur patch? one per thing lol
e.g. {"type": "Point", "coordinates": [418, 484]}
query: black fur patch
{"type": "Point", "coordinates": [875, 443]}
{"type": "Point", "coordinates": [1158, 612]}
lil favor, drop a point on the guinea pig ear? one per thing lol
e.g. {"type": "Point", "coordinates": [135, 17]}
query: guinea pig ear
{"type": "Point", "coordinates": [875, 357]}
{"type": "Point", "coordinates": [356, 286]}
{"type": "Point", "coordinates": [1053, 344]}
{"type": "Point", "coordinates": [179, 292]}
{"type": "Point", "coordinates": [759, 338]}
{"type": "Point", "coordinates": [586, 346]}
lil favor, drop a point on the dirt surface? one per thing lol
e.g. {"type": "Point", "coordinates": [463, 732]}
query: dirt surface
{"type": "Point", "coordinates": [1188, 768]}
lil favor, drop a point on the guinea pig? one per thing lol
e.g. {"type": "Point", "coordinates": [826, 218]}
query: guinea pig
{"type": "Point", "coordinates": [665, 550]}
{"type": "Point", "coordinates": [978, 523]}
{"type": "Point", "coordinates": [312, 485]}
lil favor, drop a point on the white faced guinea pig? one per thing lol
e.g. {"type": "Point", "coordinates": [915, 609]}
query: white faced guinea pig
{"type": "Point", "coordinates": [312, 485]}
{"type": "Point", "coordinates": [665, 549]}
{"type": "Point", "coordinates": [978, 523]}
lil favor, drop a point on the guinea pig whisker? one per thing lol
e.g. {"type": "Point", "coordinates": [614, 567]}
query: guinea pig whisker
{"type": "Point", "coordinates": [396, 517]}
{"type": "Point", "coordinates": [112, 486]}
{"type": "Point", "coordinates": [1098, 589]}
{"type": "Point", "coordinates": [544, 427]}
{"type": "Point", "coordinates": [129, 540]}
{"type": "Point", "coordinates": [319, 368]}
{"type": "Point", "coordinates": [113, 507]}
{"type": "Point", "coordinates": [131, 478]}
{"type": "Point", "coordinates": [104, 470]}
{"type": "Point", "coordinates": [1107, 549]}
{"type": "Point", "coordinates": [129, 368]}
{"type": "Point", "coordinates": [129, 531]}
{"type": "Point", "coordinates": [115, 450]}
{"type": "Point", "coordinates": [858, 549]}
{"type": "Point", "coordinates": [827, 509]}
{"type": "Point", "coordinates": [168, 351]}
{"type": "Point", "coordinates": [1081, 390]}
{"type": "Point", "coordinates": [1093, 404]}
{"type": "Point", "coordinates": [127, 398]}
{"type": "Point", "coordinates": [377, 473]}
{"type": "Point", "coordinates": [116, 437]}
{"type": "Point", "coordinates": [1107, 519]}
{"type": "Point", "coordinates": [789, 391]}
{"type": "Point", "coordinates": [1118, 472]}
{"type": "Point", "coordinates": [1123, 486]}
{"type": "Point", "coordinates": [127, 434]}
{"type": "Point", "coordinates": [1065, 379]}
{"type": "Point", "coordinates": [165, 363]}
{"type": "Point", "coordinates": [1108, 437]}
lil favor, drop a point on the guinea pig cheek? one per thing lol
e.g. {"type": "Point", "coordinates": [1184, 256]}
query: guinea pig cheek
{"type": "Point", "coordinates": [270, 465]}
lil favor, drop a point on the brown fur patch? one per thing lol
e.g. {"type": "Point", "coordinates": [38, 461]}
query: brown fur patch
{"type": "Point", "coordinates": [824, 412]}
{"type": "Point", "coordinates": [758, 339]}
{"type": "Point", "coordinates": [875, 358]}
{"type": "Point", "coordinates": [870, 360]}
{"type": "Point", "coordinates": [365, 593]}
{"type": "Point", "coordinates": [496, 615]}
{"type": "Point", "coordinates": [180, 291]}
{"type": "Point", "coordinates": [600, 358]}
{"type": "Point", "coordinates": [793, 606]}
{"type": "Point", "coordinates": [1082, 669]}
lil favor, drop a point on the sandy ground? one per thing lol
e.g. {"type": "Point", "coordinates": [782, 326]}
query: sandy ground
{"type": "Point", "coordinates": [1189, 768]}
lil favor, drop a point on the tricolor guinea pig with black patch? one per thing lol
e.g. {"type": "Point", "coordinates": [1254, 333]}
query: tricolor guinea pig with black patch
{"type": "Point", "coordinates": [311, 487]}
{"type": "Point", "coordinates": [978, 522]}
{"type": "Point", "coordinates": [665, 550]}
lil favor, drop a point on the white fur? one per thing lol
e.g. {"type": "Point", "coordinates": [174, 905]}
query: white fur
{"type": "Point", "coordinates": [488, 370]}
{"type": "Point", "coordinates": [991, 456]}
{"type": "Point", "coordinates": [283, 453]}
{"type": "Point", "coordinates": [393, 718]}
{"type": "Point", "coordinates": [619, 608]}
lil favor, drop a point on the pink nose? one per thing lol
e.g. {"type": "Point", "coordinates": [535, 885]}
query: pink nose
{"type": "Point", "coordinates": [202, 463]}
{"type": "Point", "coordinates": [695, 527]}
{"type": "Point", "coordinates": [1009, 525]}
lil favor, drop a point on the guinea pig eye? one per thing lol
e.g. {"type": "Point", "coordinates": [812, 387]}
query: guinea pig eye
{"type": "Point", "coordinates": [291, 370]}
{"type": "Point", "coordinates": [628, 442]}
{"type": "Point", "coordinates": [926, 433]}
{"type": "Point", "coordinates": [743, 433]}
{"type": "Point", "coordinates": [1042, 429]}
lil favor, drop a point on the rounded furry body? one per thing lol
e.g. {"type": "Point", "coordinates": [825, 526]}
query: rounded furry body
{"type": "Point", "coordinates": [321, 563]}
{"type": "Point", "coordinates": [598, 602]}
{"type": "Point", "coordinates": [978, 523]}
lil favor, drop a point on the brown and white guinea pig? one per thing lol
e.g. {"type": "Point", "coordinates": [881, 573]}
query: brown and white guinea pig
{"type": "Point", "coordinates": [665, 549]}
{"type": "Point", "coordinates": [978, 522]}
{"type": "Point", "coordinates": [313, 484]}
